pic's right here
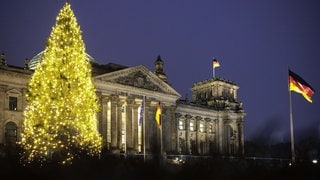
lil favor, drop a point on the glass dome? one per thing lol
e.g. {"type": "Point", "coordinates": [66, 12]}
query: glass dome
{"type": "Point", "coordinates": [36, 59]}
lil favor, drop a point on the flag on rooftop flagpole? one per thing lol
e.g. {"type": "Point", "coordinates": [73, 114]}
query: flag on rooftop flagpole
{"type": "Point", "coordinates": [158, 114]}
{"type": "Point", "coordinates": [215, 63]}
{"type": "Point", "coordinates": [299, 85]}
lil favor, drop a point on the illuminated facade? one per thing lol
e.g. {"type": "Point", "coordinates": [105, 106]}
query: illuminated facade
{"type": "Point", "coordinates": [211, 123]}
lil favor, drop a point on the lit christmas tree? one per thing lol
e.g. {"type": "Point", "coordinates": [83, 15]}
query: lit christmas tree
{"type": "Point", "coordinates": [60, 121]}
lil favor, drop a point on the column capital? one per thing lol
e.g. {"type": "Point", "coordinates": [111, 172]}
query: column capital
{"type": "Point", "coordinates": [198, 118]}
{"type": "Point", "coordinates": [188, 116]}
{"type": "Point", "coordinates": [114, 98]}
{"type": "Point", "coordinates": [105, 99]}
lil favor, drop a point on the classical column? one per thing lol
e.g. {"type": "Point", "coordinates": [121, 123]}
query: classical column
{"type": "Point", "coordinates": [236, 141]}
{"type": "Point", "coordinates": [2, 108]}
{"type": "Point", "coordinates": [148, 126]}
{"type": "Point", "coordinates": [108, 114]}
{"type": "Point", "coordinates": [171, 129]}
{"type": "Point", "coordinates": [188, 144]}
{"type": "Point", "coordinates": [114, 122]}
{"type": "Point", "coordinates": [176, 147]}
{"type": "Point", "coordinates": [130, 123]}
{"type": "Point", "coordinates": [208, 134]}
{"type": "Point", "coordinates": [220, 128]}
{"type": "Point", "coordinates": [23, 105]}
{"type": "Point", "coordinates": [241, 138]}
{"type": "Point", "coordinates": [121, 144]}
{"type": "Point", "coordinates": [198, 140]}
{"type": "Point", "coordinates": [137, 143]}
{"type": "Point", "coordinates": [103, 118]}
{"type": "Point", "coordinates": [215, 138]}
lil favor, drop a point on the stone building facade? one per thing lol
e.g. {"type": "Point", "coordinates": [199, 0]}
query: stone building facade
{"type": "Point", "coordinates": [211, 123]}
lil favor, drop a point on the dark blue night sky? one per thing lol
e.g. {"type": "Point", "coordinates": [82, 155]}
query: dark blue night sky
{"type": "Point", "coordinates": [255, 42]}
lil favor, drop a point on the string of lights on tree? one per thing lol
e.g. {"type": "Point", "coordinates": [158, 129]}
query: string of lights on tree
{"type": "Point", "coordinates": [60, 121]}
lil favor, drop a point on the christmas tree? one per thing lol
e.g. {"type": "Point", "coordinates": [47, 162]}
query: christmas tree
{"type": "Point", "coordinates": [60, 120]}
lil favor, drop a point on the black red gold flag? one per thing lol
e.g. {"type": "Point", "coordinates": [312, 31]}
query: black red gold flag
{"type": "Point", "coordinates": [299, 85]}
{"type": "Point", "coordinates": [158, 114]}
{"type": "Point", "coordinates": [215, 63]}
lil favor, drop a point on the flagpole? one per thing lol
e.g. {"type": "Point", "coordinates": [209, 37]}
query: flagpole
{"type": "Point", "coordinates": [291, 127]}
{"type": "Point", "coordinates": [161, 143]}
{"type": "Point", "coordinates": [158, 118]}
{"type": "Point", "coordinates": [144, 129]}
{"type": "Point", "coordinates": [299, 85]}
{"type": "Point", "coordinates": [213, 72]}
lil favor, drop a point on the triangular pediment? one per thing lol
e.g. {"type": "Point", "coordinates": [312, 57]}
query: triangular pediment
{"type": "Point", "coordinates": [138, 77]}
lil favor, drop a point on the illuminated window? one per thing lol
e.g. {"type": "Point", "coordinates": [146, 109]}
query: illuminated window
{"type": "Point", "coordinates": [210, 128]}
{"type": "Point", "coordinates": [13, 103]}
{"type": "Point", "coordinates": [201, 127]}
{"type": "Point", "coordinates": [192, 128]}
{"type": "Point", "coordinates": [181, 125]}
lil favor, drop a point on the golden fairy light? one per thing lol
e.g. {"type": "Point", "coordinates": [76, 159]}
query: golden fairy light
{"type": "Point", "coordinates": [60, 121]}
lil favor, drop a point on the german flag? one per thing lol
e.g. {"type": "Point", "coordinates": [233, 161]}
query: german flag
{"type": "Point", "coordinates": [299, 85]}
{"type": "Point", "coordinates": [215, 63]}
{"type": "Point", "coordinates": [158, 114]}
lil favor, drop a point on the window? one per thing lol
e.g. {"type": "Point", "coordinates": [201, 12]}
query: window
{"type": "Point", "coordinates": [181, 125]}
{"type": "Point", "coordinates": [192, 126]}
{"type": "Point", "coordinates": [13, 103]}
{"type": "Point", "coordinates": [225, 92]}
{"type": "Point", "coordinates": [210, 128]}
{"type": "Point", "coordinates": [201, 127]}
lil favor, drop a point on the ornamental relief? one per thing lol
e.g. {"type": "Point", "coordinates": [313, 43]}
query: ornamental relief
{"type": "Point", "coordinates": [139, 80]}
